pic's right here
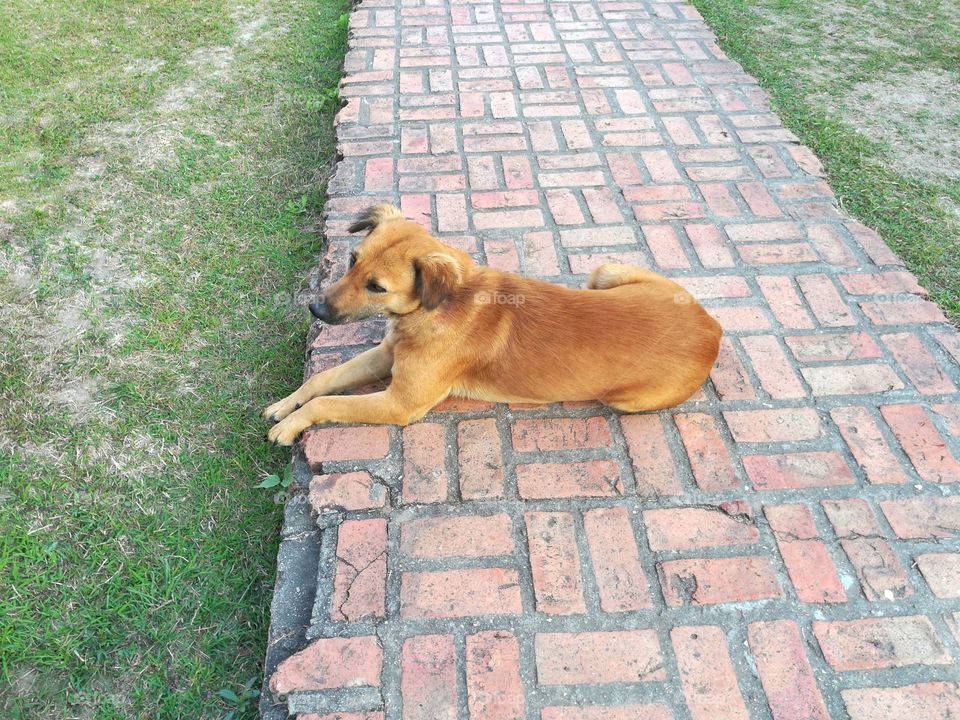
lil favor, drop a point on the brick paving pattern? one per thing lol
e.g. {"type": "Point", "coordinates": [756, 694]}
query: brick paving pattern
{"type": "Point", "coordinates": [784, 545]}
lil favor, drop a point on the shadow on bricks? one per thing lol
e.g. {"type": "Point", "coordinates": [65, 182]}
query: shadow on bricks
{"type": "Point", "coordinates": [783, 545]}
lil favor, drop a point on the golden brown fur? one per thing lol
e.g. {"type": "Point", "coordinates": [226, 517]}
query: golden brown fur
{"type": "Point", "coordinates": [634, 340]}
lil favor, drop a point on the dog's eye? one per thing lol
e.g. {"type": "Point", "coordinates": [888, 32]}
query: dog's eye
{"type": "Point", "coordinates": [374, 288]}
{"type": "Point", "coordinates": [353, 259]}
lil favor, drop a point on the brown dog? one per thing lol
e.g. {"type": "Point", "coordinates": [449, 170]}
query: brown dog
{"type": "Point", "coordinates": [634, 340]}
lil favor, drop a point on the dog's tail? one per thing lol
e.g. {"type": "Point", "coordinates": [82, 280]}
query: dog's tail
{"type": "Point", "coordinates": [611, 275]}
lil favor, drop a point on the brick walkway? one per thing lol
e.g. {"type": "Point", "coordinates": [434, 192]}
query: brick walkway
{"type": "Point", "coordinates": [784, 545]}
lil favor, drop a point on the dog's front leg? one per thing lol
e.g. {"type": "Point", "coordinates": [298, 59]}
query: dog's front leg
{"type": "Point", "coordinates": [367, 367]}
{"type": "Point", "coordinates": [380, 408]}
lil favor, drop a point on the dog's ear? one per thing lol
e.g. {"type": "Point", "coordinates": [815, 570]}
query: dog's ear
{"type": "Point", "coordinates": [373, 216]}
{"type": "Point", "coordinates": [437, 275]}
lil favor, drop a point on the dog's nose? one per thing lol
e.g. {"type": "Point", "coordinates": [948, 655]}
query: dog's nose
{"type": "Point", "coordinates": [321, 310]}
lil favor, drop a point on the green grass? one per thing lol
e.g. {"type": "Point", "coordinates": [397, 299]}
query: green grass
{"type": "Point", "coordinates": [813, 56]}
{"type": "Point", "coordinates": [148, 314]}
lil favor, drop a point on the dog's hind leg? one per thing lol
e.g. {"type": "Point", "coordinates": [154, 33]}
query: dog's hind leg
{"type": "Point", "coordinates": [365, 368]}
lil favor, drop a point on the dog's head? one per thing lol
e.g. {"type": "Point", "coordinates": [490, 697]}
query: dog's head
{"type": "Point", "coordinates": [397, 269]}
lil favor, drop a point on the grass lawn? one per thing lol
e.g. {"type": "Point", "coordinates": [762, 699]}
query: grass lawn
{"type": "Point", "coordinates": [873, 87]}
{"type": "Point", "coordinates": [162, 164]}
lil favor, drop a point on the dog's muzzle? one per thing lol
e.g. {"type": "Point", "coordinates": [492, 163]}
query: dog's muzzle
{"type": "Point", "coordinates": [322, 311]}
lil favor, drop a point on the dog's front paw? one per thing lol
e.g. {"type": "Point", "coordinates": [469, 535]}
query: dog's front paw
{"type": "Point", "coordinates": [287, 431]}
{"type": "Point", "coordinates": [280, 409]}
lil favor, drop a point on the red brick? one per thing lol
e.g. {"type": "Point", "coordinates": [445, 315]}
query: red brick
{"type": "Point", "coordinates": [605, 712]}
{"type": "Point", "coordinates": [378, 174]}
{"type": "Point", "coordinates": [424, 467]}
{"type": "Point", "coordinates": [718, 580]}
{"type": "Point", "coordinates": [777, 254]}
{"type": "Point", "coordinates": [825, 301]}
{"type": "Point", "coordinates": [709, 458]}
{"type": "Point", "coordinates": [459, 593]}
{"type": "Point", "coordinates": [832, 247]}
{"type": "Point", "coordinates": [564, 207]}
{"type": "Point", "coordinates": [923, 701]}
{"type": "Point", "coordinates": [582, 264]}
{"type": "Point", "coordinates": [851, 379]}
{"type": "Point", "coordinates": [833, 347]}
{"type": "Point", "coordinates": [451, 213]}
{"type": "Point", "coordinates": [767, 160]}
{"type": "Point", "coordinates": [501, 254]}
{"type": "Point", "coordinates": [494, 688]}
{"type": "Point", "coordinates": [616, 562]}
{"type": "Point", "coordinates": [920, 440]}
{"type": "Point", "coordinates": [624, 169]}
{"type": "Point", "coordinates": [866, 442]}
{"type": "Point", "coordinates": [729, 376]}
{"type": "Point", "coordinates": [555, 563]}
{"type": "Point", "coordinates": [920, 366]}
{"type": "Point", "coordinates": [764, 232]}
{"type": "Point", "coordinates": [345, 443]}
{"type": "Point", "coordinates": [772, 367]}
{"type": "Point", "coordinates": [501, 199]}
{"type": "Point", "coordinates": [657, 193]}
{"type": "Point", "coordinates": [709, 246]}
{"type": "Point", "coordinates": [878, 570]}
{"type": "Point", "coordinates": [539, 254]}
{"type": "Point", "coordinates": [665, 246]}
{"type": "Point", "coordinates": [784, 301]}
{"type": "Point", "coordinates": [875, 643]}
{"type": "Point", "coordinates": [591, 478]}
{"type": "Point", "coordinates": [597, 236]}
{"type": "Point", "coordinates": [706, 673]}
{"type": "Point", "coordinates": [759, 200]}
{"type": "Point", "coordinates": [693, 528]}
{"type": "Point", "coordinates": [359, 587]}
{"type": "Point", "coordinates": [346, 491]}
{"type": "Point", "coordinates": [594, 658]}
{"type": "Point", "coordinates": [924, 518]}
{"type": "Point", "coordinates": [508, 219]}
{"type": "Point", "coordinates": [602, 205]}
{"type": "Point", "coordinates": [741, 318]}
{"type": "Point", "coordinates": [808, 562]}
{"type": "Point", "coordinates": [667, 211]}
{"type": "Point", "coordinates": [798, 470]}
{"type": "Point", "coordinates": [546, 434]}
{"type": "Point", "coordinates": [719, 200]}
{"type": "Point", "coordinates": [329, 663]}
{"type": "Point", "coordinates": [660, 166]}
{"type": "Point", "coordinates": [370, 715]}
{"type": "Point", "coordinates": [481, 465]}
{"type": "Point", "coordinates": [653, 465]}
{"type": "Point", "coordinates": [882, 283]}
{"type": "Point", "coordinates": [785, 671]}
{"type": "Point", "coordinates": [942, 573]}
{"type": "Point", "coordinates": [680, 131]}
{"type": "Point", "coordinates": [902, 312]}
{"type": "Point", "coordinates": [428, 678]}
{"type": "Point", "coordinates": [781, 425]}
{"type": "Point", "coordinates": [457, 536]}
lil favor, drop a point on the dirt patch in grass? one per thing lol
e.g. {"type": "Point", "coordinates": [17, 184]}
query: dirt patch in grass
{"type": "Point", "coordinates": [915, 115]}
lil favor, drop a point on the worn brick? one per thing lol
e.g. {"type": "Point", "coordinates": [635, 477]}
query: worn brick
{"type": "Point", "coordinates": [922, 701]}
{"type": "Point", "coordinates": [359, 587]}
{"type": "Point", "coordinates": [942, 573]}
{"type": "Point", "coordinates": [591, 478]}
{"type": "Point", "coordinates": [712, 467]}
{"type": "Point", "coordinates": [459, 593]}
{"type": "Point", "coordinates": [653, 464]}
{"type": "Point", "coordinates": [457, 536]}
{"type": "Point", "coordinates": [781, 425]}
{"type": "Point", "coordinates": [706, 673]}
{"type": "Point", "coordinates": [785, 672]}
{"type": "Point", "coordinates": [808, 562]}
{"type": "Point", "coordinates": [616, 563]}
{"type": "Point", "coordinates": [693, 528]}
{"type": "Point", "coordinates": [428, 678]}
{"type": "Point", "coordinates": [330, 663]}
{"type": "Point", "coordinates": [424, 465]}
{"type": "Point", "coordinates": [481, 466]}
{"type": "Point", "coordinates": [797, 470]}
{"type": "Point", "coordinates": [874, 643]}
{"type": "Point", "coordinates": [717, 580]}
{"type": "Point", "coordinates": [922, 443]}
{"type": "Point", "coordinates": [772, 367]}
{"type": "Point", "coordinates": [926, 374]}
{"type": "Point", "coordinates": [546, 434]}
{"type": "Point", "coordinates": [333, 444]}
{"type": "Point", "coordinates": [591, 658]}
{"type": "Point", "coordinates": [833, 347]}
{"type": "Point", "coordinates": [346, 491]}
{"type": "Point", "coordinates": [605, 712]}
{"type": "Point", "coordinates": [555, 563]}
{"type": "Point", "coordinates": [494, 687]}
{"type": "Point", "coordinates": [868, 446]}
{"type": "Point", "coordinates": [851, 379]}
{"type": "Point", "coordinates": [924, 518]}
